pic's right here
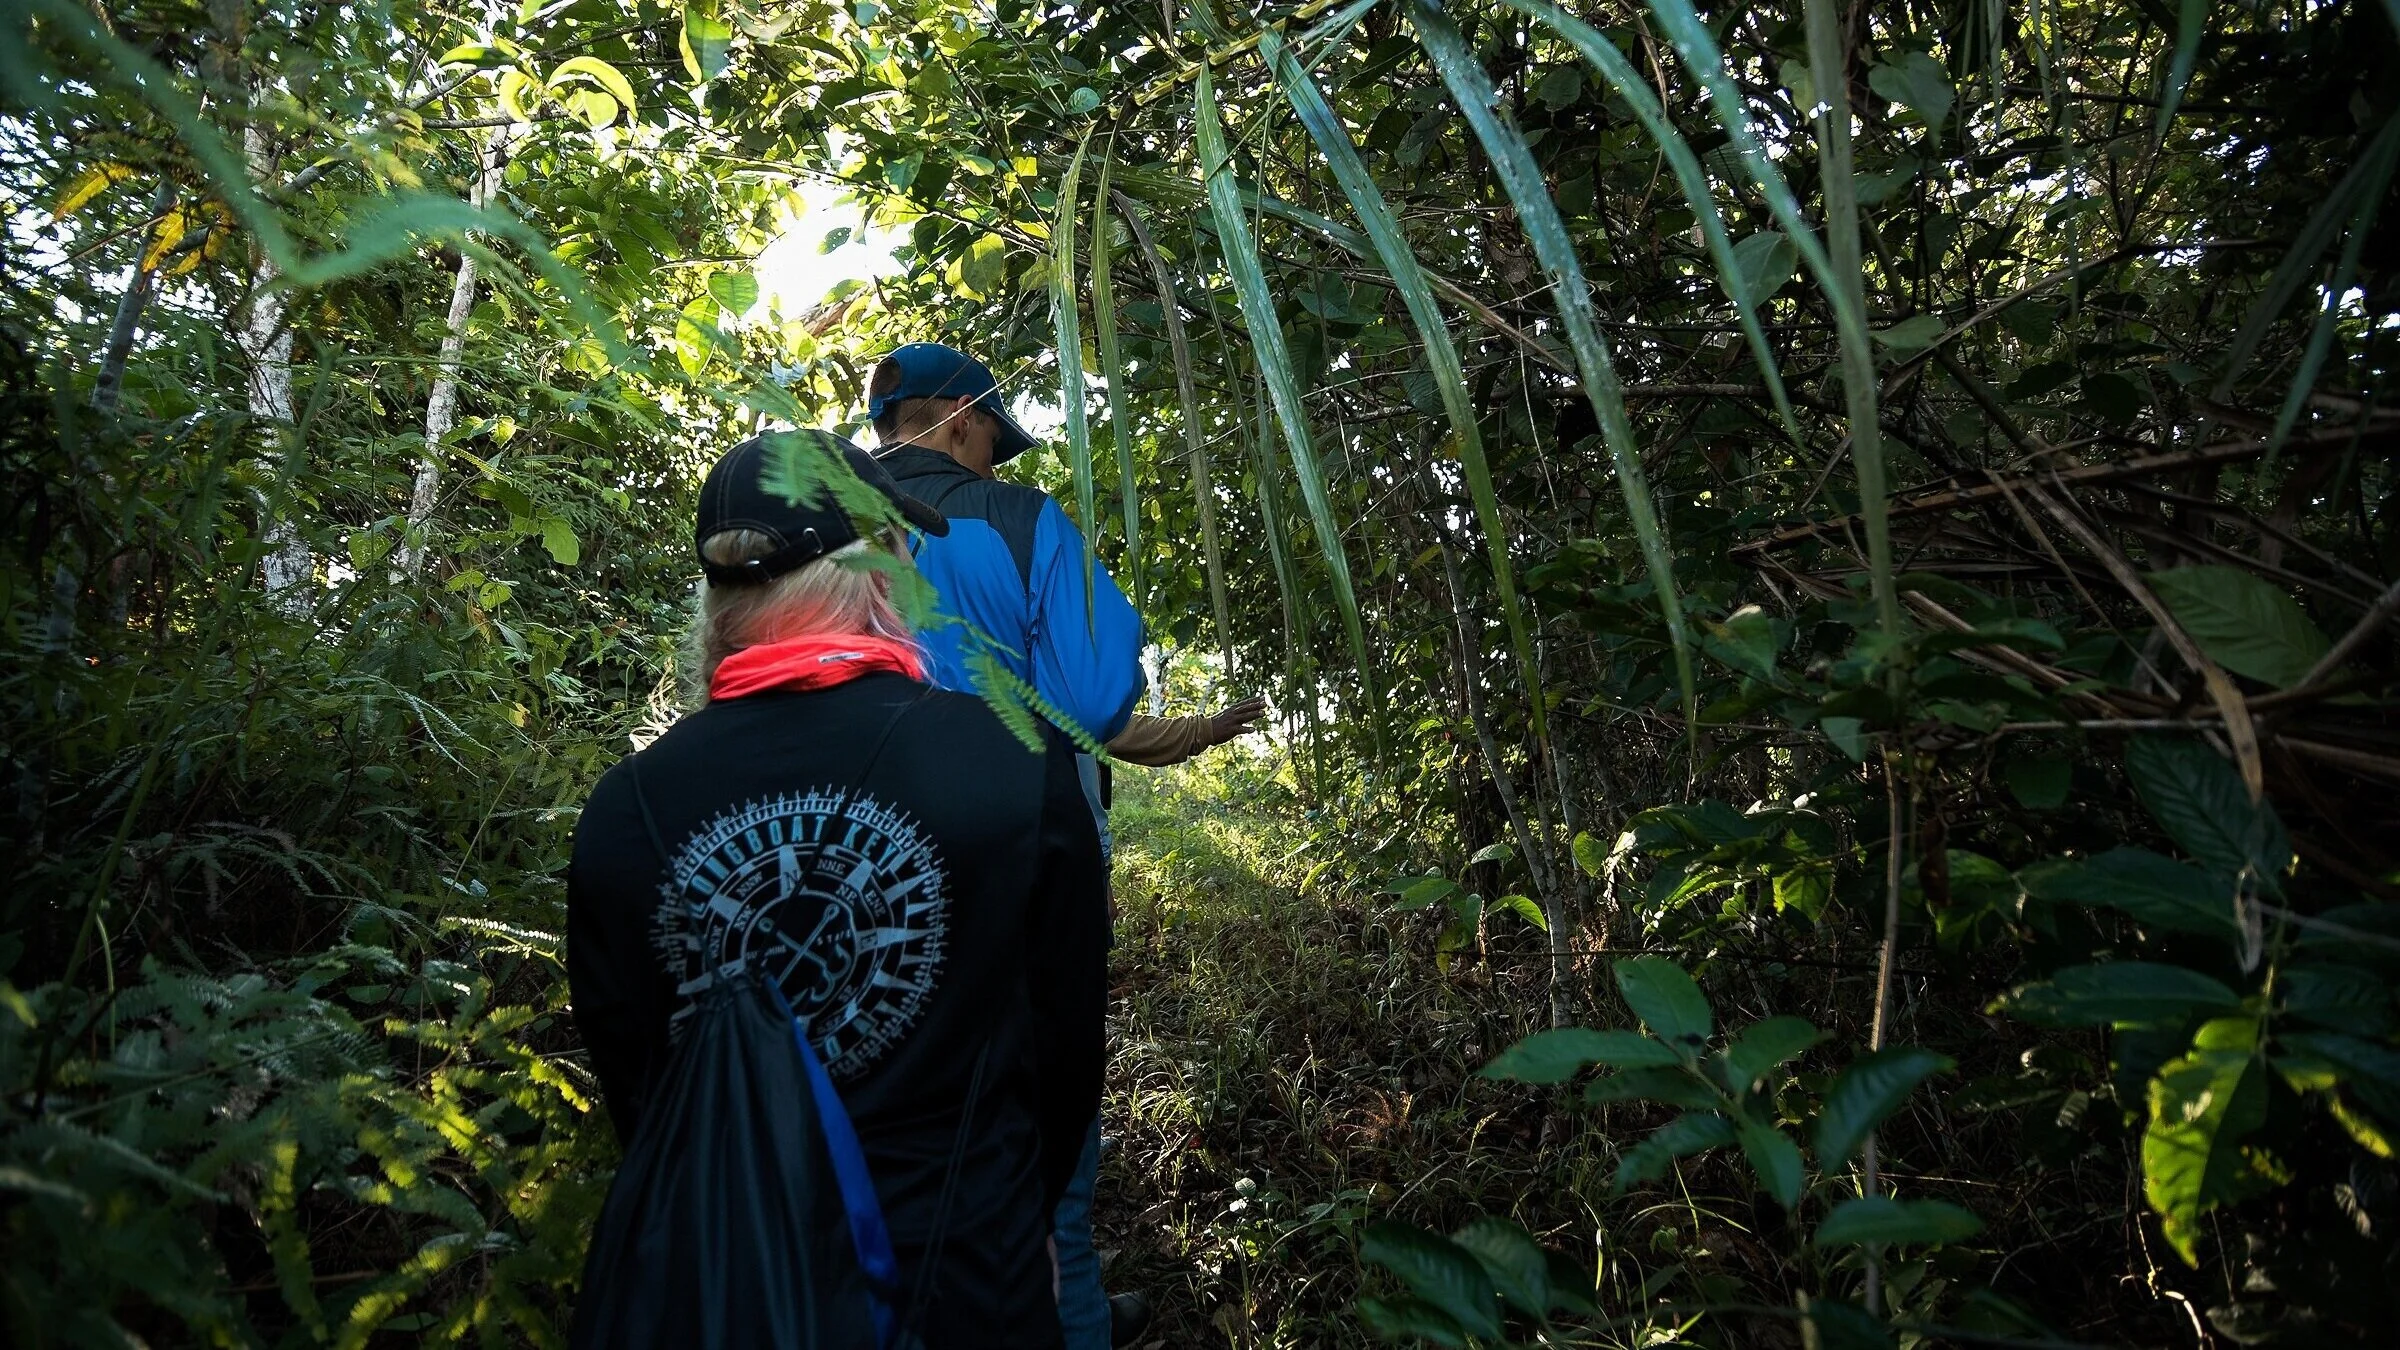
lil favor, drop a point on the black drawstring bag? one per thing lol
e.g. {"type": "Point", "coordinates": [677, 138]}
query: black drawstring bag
{"type": "Point", "coordinates": [725, 1230]}
{"type": "Point", "coordinates": [743, 1216]}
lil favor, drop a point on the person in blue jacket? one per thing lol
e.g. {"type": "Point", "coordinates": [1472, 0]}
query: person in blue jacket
{"type": "Point", "coordinates": [1015, 572]}
{"type": "Point", "coordinates": [1013, 567]}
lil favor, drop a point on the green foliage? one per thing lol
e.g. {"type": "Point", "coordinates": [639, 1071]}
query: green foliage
{"type": "Point", "coordinates": [1919, 762]}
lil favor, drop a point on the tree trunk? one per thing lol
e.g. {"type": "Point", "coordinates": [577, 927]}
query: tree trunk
{"type": "Point", "coordinates": [140, 284]}
{"type": "Point", "coordinates": [441, 409]}
{"type": "Point", "coordinates": [267, 341]}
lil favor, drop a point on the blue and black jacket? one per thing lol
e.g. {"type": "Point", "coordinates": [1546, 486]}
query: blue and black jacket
{"type": "Point", "coordinates": [1014, 568]}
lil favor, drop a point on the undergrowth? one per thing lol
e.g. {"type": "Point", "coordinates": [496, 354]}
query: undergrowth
{"type": "Point", "coordinates": [1290, 1063]}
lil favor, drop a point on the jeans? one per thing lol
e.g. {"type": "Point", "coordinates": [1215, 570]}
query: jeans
{"type": "Point", "coordinates": [1082, 1303]}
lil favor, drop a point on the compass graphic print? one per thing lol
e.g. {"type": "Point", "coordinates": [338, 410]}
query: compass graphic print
{"type": "Point", "coordinates": [837, 897]}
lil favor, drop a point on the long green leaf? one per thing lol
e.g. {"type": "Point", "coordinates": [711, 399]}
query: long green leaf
{"type": "Point", "coordinates": [1838, 271]}
{"type": "Point", "coordinates": [1204, 490]}
{"type": "Point", "coordinates": [1471, 88]}
{"type": "Point", "coordinates": [1070, 351]}
{"type": "Point", "coordinates": [1270, 508]}
{"type": "Point", "coordinates": [2369, 175]}
{"type": "Point", "coordinates": [2320, 337]}
{"type": "Point", "coordinates": [1628, 82]}
{"type": "Point", "coordinates": [1827, 51]}
{"type": "Point", "coordinates": [1112, 369]}
{"type": "Point", "coordinates": [1441, 354]}
{"type": "Point", "coordinates": [1240, 249]}
{"type": "Point", "coordinates": [2191, 24]}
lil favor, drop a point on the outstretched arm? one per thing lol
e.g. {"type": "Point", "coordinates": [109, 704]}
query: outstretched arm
{"type": "Point", "coordinates": [1156, 742]}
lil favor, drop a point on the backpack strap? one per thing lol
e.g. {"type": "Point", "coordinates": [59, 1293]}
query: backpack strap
{"type": "Point", "coordinates": [941, 1211]}
{"type": "Point", "coordinates": [870, 1235]}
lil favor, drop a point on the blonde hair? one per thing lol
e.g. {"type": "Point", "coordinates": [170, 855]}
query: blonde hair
{"type": "Point", "coordinates": [844, 592]}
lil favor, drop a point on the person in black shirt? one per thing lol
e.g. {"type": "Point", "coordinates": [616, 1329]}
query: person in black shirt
{"type": "Point", "coordinates": [926, 891]}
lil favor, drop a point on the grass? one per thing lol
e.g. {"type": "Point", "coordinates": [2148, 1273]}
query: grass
{"type": "Point", "coordinates": [1287, 1066]}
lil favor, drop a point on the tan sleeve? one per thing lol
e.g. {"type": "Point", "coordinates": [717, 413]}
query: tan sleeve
{"type": "Point", "coordinates": [1155, 742]}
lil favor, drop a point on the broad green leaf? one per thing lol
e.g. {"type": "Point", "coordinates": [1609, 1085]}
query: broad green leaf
{"type": "Point", "coordinates": [2199, 800]}
{"type": "Point", "coordinates": [590, 107]}
{"type": "Point", "coordinates": [2370, 1068]}
{"type": "Point", "coordinates": [2344, 998]}
{"type": "Point", "coordinates": [1866, 1094]}
{"type": "Point", "coordinates": [1410, 1319]}
{"type": "Point", "coordinates": [1804, 890]}
{"type": "Point", "coordinates": [1439, 1271]}
{"type": "Point", "coordinates": [1776, 1160]}
{"type": "Point", "coordinates": [1686, 1135]}
{"type": "Point", "coordinates": [736, 291]}
{"type": "Point", "coordinates": [696, 335]}
{"type": "Point", "coordinates": [559, 538]}
{"type": "Point", "coordinates": [1675, 1087]}
{"type": "Point", "coordinates": [1494, 852]}
{"type": "Point", "coordinates": [519, 95]}
{"type": "Point", "coordinates": [1766, 261]}
{"type": "Point", "coordinates": [1765, 1045]}
{"type": "Point", "coordinates": [2245, 623]}
{"type": "Point", "coordinates": [1559, 1054]}
{"type": "Point", "coordinates": [2156, 891]}
{"type": "Point", "coordinates": [706, 44]}
{"type": "Point", "coordinates": [2202, 1107]}
{"type": "Point", "coordinates": [2119, 993]}
{"type": "Point", "coordinates": [1082, 101]}
{"type": "Point", "coordinates": [1537, 214]}
{"type": "Point", "coordinates": [1746, 641]}
{"type": "Point", "coordinates": [1911, 335]}
{"type": "Point", "coordinates": [1423, 891]}
{"type": "Point", "coordinates": [1591, 856]}
{"type": "Point", "coordinates": [1880, 1220]}
{"type": "Point", "coordinates": [983, 268]}
{"type": "Point", "coordinates": [1519, 1268]}
{"type": "Point", "coordinates": [1559, 87]}
{"type": "Point", "coordinates": [1917, 81]}
{"type": "Point", "coordinates": [1240, 252]}
{"type": "Point", "coordinates": [1523, 907]}
{"type": "Point", "coordinates": [1848, 734]}
{"type": "Point", "coordinates": [1664, 997]}
{"type": "Point", "coordinates": [599, 72]}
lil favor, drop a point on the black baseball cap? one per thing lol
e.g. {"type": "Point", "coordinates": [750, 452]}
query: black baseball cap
{"type": "Point", "coordinates": [736, 497]}
{"type": "Point", "coordinates": [931, 370]}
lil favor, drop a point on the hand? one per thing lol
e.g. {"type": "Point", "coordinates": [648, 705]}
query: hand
{"type": "Point", "coordinates": [1239, 720]}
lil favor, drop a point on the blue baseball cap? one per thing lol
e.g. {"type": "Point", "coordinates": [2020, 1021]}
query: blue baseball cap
{"type": "Point", "coordinates": [931, 370]}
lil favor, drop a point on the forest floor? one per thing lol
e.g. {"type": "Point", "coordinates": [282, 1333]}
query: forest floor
{"type": "Point", "coordinates": [1287, 1064]}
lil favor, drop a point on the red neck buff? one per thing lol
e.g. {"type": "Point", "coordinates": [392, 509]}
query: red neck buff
{"type": "Point", "coordinates": [818, 661]}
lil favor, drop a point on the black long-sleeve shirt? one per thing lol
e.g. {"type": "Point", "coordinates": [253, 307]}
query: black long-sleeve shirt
{"type": "Point", "coordinates": [918, 902]}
